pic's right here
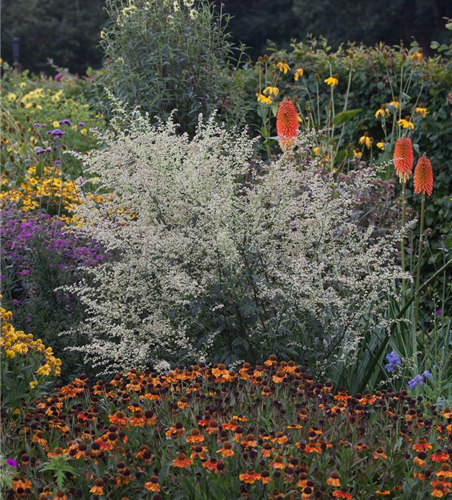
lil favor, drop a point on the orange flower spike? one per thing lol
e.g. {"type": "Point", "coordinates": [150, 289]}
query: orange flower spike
{"type": "Point", "coordinates": [423, 176]}
{"type": "Point", "coordinates": [403, 158]}
{"type": "Point", "coordinates": [287, 125]}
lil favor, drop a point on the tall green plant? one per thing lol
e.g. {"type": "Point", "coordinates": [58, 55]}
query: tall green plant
{"type": "Point", "coordinates": [165, 56]}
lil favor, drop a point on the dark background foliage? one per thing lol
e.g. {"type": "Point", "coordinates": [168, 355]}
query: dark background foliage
{"type": "Point", "coordinates": [68, 30]}
{"type": "Point", "coordinates": [389, 21]}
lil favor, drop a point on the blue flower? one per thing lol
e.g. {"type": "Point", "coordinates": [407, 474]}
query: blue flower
{"type": "Point", "coordinates": [417, 380]}
{"type": "Point", "coordinates": [393, 358]}
{"type": "Point", "coordinates": [394, 361]}
{"type": "Point", "coordinates": [427, 374]}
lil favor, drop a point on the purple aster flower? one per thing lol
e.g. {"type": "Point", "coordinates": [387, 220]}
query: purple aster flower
{"type": "Point", "coordinates": [417, 380]}
{"type": "Point", "coordinates": [82, 124]}
{"type": "Point", "coordinates": [11, 462]}
{"type": "Point", "coordinates": [41, 151]}
{"type": "Point", "coordinates": [427, 374]}
{"type": "Point", "coordinates": [56, 132]}
{"type": "Point", "coordinates": [36, 125]}
{"type": "Point", "coordinates": [65, 122]}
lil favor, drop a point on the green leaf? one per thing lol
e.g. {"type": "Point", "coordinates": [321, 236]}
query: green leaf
{"type": "Point", "coordinates": [345, 116]}
{"type": "Point", "coordinates": [265, 133]}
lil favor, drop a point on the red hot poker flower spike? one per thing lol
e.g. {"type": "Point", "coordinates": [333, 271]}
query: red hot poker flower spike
{"type": "Point", "coordinates": [287, 125]}
{"type": "Point", "coordinates": [403, 158]}
{"type": "Point", "coordinates": [423, 176]}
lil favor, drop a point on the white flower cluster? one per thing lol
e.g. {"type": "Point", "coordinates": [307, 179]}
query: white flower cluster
{"type": "Point", "coordinates": [220, 252]}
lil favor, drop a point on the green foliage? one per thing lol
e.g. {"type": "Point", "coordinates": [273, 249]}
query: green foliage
{"type": "Point", "coordinates": [7, 473]}
{"type": "Point", "coordinates": [369, 78]}
{"type": "Point", "coordinates": [28, 102]}
{"type": "Point", "coordinates": [165, 56]}
{"type": "Point", "coordinates": [256, 21]}
{"type": "Point", "coordinates": [67, 32]}
{"type": "Point", "coordinates": [47, 311]}
{"type": "Point", "coordinates": [60, 467]}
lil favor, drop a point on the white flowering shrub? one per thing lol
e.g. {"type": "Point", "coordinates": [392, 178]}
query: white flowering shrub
{"type": "Point", "coordinates": [221, 257]}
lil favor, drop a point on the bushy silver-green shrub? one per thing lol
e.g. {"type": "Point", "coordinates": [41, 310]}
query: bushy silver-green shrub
{"type": "Point", "coordinates": [222, 257]}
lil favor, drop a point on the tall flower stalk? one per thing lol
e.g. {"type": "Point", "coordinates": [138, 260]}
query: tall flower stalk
{"type": "Point", "coordinates": [423, 183]}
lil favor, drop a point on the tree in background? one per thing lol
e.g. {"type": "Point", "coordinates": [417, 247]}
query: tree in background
{"type": "Point", "coordinates": [67, 31]}
{"type": "Point", "coordinates": [389, 21]}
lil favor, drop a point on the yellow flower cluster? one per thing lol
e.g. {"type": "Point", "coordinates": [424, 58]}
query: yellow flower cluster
{"type": "Point", "coordinates": [35, 187]}
{"type": "Point", "coordinates": [16, 343]}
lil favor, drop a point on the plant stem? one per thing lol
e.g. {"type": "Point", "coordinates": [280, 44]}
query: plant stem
{"type": "Point", "coordinates": [402, 243]}
{"type": "Point", "coordinates": [419, 261]}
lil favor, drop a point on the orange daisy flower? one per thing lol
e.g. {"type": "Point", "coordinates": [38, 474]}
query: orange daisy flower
{"type": "Point", "coordinates": [379, 453]}
{"type": "Point", "coordinates": [195, 437]}
{"type": "Point", "coordinates": [220, 371]}
{"type": "Point", "coordinates": [278, 463]}
{"type": "Point", "coordinates": [342, 494]}
{"type": "Point", "coordinates": [152, 484]}
{"type": "Point", "coordinates": [138, 419]}
{"type": "Point", "coordinates": [182, 461]}
{"type": "Point", "coordinates": [118, 419]}
{"type": "Point", "coordinates": [334, 480]}
{"type": "Point", "coordinates": [227, 450]}
{"type": "Point", "coordinates": [97, 489]}
{"type": "Point", "coordinates": [422, 445]}
{"type": "Point", "coordinates": [250, 477]}
{"type": "Point", "coordinates": [439, 456]}
{"type": "Point", "coordinates": [249, 442]}
{"type": "Point", "coordinates": [445, 471]}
